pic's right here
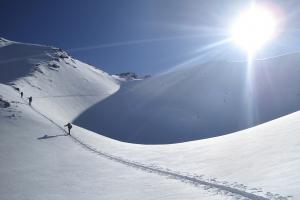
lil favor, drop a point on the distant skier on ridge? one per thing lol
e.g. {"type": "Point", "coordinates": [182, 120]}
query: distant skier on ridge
{"type": "Point", "coordinates": [22, 94]}
{"type": "Point", "coordinates": [69, 125]}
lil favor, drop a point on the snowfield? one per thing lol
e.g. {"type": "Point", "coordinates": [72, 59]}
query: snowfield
{"type": "Point", "coordinates": [38, 160]}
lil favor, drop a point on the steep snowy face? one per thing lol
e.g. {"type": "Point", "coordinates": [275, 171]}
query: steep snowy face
{"type": "Point", "coordinates": [18, 60]}
{"type": "Point", "coordinates": [199, 102]}
{"type": "Point", "coordinates": [61, 87]}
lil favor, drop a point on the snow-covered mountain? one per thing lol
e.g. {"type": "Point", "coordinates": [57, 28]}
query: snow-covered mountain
{"type": "Point", "coordinates": [57, 82]}
{"type": "Point", "coordinates": [199, 102]}
{"type": "Point", "coordinates": [38, 161]}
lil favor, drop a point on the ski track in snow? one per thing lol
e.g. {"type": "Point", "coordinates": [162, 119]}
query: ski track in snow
{"type": "Point", "coordinates": [235, 190]}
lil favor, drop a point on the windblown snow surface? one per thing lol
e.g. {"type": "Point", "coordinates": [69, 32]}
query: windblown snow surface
{"type": "Point", "coordinates": [38, 160]}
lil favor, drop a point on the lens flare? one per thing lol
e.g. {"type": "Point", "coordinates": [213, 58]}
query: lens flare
{"type": "Point", "coordinates": [254, 28]}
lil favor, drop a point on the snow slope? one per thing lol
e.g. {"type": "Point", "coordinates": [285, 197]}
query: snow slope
{"type": "Point", "coordinates": [198, 102]}
{"type": "Point", "coordinates": [263, 158]}
{"type": "Point", "coordinates": [39, 162]}
{"type": "Point", "coordinates": [57, 82]}
{"type": "Point", "coordinates": [54, 167]}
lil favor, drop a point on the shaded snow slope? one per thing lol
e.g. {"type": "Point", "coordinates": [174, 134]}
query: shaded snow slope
{"type": "Point", "coordinates": [198, 102]}
{"type": "Point", "coordinates": [18, 59]}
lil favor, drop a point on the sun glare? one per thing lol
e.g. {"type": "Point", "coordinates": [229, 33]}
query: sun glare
{"type": "Point", "coordinates": [254, 28]}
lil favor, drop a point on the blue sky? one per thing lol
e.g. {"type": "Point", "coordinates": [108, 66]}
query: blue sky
{"type": "Point", "coordinates": [144, 36]}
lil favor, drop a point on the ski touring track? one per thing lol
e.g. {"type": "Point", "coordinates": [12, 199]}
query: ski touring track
{"type": "Point", "coordinates": [237, 191]}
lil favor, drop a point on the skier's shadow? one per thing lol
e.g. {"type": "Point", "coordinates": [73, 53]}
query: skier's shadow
{"type": "Point", "coordinates": [50, 136]}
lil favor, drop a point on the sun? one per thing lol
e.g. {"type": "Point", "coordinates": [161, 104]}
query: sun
{"type": "Point", "coordinates": [254, 28]}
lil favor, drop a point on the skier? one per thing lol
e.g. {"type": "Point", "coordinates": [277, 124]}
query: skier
{"type": "Point", "coordinates": [30, 100]}
{"type": "Point", "coordinates": [21, 94]}
{"type": "Point", "coordinates": [69, 125]}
